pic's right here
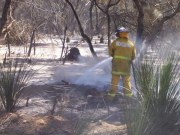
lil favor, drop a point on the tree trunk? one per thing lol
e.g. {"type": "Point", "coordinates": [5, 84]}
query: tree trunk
{"type": "Point", "coordinates": [31, 42]}
{"type": "Point", "coordinates": [97, 21]}
{"type": "Point", "coordinates": [88, 40]}
{"type": "Point", "coordinates": [34, 46]}
{"type": "Point", "coordinates": [109, 28]}
{"type": "Point", "coordinates": [91, 20]}
{"type": "Point", "coordinates": [140, 25]}
{"type": "Point", "coordinates": [63, 44]}
{"type": "Point", "coordinates": [3, 19]}
{"type": "Point", "coordinates": [8, 44]}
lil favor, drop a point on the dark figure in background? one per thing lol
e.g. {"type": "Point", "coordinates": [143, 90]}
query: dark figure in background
{"type": "Point", "coordinates": [73, 54]}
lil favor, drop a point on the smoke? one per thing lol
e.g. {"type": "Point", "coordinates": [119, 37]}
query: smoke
{"type": "Point", "coordinates": [97, 72]}
{"type": "Point", "coordinates": [87, 71]}
{"type": "Point", "coordinates": [98, 75]}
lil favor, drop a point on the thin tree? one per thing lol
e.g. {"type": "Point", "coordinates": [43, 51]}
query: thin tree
{"type": "Point", "coordinates": [86, 38]}
{"type": "Point", "coordinates": [106, 10]}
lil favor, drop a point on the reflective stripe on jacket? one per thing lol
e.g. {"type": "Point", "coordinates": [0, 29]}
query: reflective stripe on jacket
{"type": "Point", "coordinates": [123, 52]}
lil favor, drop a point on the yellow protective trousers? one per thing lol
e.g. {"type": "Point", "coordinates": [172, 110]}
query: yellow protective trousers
{"type": "Point", "coordinates": [126, 84]}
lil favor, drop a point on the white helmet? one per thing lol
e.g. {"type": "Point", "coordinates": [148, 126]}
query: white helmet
{"type": "Point", "coordinates": [120, 30]}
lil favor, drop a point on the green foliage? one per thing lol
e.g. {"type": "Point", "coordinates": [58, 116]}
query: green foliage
{"type": "Point", "coordinates": [158, 109]}
{"type": "Point", "coordinates": [14, 76]}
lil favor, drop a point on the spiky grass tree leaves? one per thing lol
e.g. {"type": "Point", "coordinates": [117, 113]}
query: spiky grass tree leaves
{"type": "Point", "coordinates": [158, 110]}
{"type": "Point", "coordinates": [14, 76]}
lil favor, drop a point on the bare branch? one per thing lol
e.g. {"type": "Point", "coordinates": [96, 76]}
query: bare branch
{"type": "Point", "coordinates": [104, 11]}
{"type": "Point", "coordinates": [113, 4]}
{"type": "Point", "coordinates": [177, 10]}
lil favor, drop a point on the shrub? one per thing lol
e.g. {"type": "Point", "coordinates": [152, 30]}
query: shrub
{"type": "Point", "coordinates": [158, 110]}
{"type": "Point", "coordinates": [14, 77]}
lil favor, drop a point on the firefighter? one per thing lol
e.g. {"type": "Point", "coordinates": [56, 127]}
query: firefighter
{"type": "Point", "coordinates": [123, 52]}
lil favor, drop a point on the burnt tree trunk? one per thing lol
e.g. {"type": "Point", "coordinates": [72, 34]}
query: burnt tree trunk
{"type": "Point", "coordinates": [88, 40]}
{"type": "Point", "coordinates": [91, 16]}
{"type": "Point", "coordinates": [3, 19]}
{"type": "Point", "coordinates": [31, 42]}
{"type": "Point", "coordinates": [109, 28]}
{"type": "Point", "coordinates": [140, 24]}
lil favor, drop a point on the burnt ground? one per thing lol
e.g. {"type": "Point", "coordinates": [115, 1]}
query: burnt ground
{"type": "Point", "coordinates": [64, 109]}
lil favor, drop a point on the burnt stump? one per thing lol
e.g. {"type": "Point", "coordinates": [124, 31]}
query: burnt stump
{"type": "Point", "coordinates": [73, 54]}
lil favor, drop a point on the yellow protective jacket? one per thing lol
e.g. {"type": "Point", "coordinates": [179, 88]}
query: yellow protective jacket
{"type": "Point", "coordinates": [123, 52]}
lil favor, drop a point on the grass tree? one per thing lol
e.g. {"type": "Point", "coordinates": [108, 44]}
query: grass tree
{"type": "Point", "coordinates": [14, 77]}
{"type": "Point", "coordinates": [158, 109]}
